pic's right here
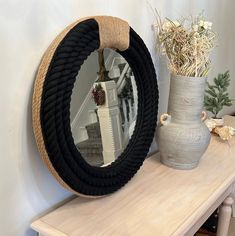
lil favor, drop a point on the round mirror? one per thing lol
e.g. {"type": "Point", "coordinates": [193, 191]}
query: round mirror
{"type": "Point", "coordinates": [94, 131]}
{"type": "Point", "coordinates": [103, 107]}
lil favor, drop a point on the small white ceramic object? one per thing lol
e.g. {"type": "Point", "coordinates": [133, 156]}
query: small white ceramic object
{"type": "Point", "coordinates": [218, 122]}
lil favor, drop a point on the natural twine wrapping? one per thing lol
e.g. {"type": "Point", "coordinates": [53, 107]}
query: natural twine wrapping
{"type": "Point", "coordinates": [113, 33]}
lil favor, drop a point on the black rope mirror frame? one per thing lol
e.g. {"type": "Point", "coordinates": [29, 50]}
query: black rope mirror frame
{"type": "Point", "coordinates": [52, 96]}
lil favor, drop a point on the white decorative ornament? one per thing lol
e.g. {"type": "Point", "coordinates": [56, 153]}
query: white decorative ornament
{"type": "Point", "coordinates": [210, 123]}
{"type": "Point", "coordinates": [225, 132]}
{"type": "Point", "coordinates": [165, 119]}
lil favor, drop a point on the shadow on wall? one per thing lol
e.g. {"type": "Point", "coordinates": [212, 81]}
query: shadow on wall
{"type": "Point", "coordinates": [38, 185]}
{"type": "Point", "coordinates": [163, 84]}
{"type": "Point", "coordinates": [163, 78]}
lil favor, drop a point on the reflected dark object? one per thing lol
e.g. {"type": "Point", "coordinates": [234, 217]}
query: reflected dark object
{"type": "Point", "coordinates": [103, 73]}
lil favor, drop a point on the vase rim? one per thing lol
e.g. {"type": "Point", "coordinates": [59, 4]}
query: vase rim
{"type": "Point", "coordinates": [187, 77]}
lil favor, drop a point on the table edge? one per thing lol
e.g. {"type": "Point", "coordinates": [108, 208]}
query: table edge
{"type": "Point", "coordinates": [44, 228]}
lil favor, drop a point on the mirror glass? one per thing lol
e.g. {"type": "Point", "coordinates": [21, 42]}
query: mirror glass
{"type": "Point", "coordinates": [103, 108]}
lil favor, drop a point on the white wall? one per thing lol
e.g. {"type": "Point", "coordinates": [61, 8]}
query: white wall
{"type": "Point", "coordinates": [85, 80]}
{"type": "Point", "coordinates": [26, 29]}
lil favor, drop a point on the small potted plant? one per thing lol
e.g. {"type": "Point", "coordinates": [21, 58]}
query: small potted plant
{"type": "Point", "coordinates": [217, 97]}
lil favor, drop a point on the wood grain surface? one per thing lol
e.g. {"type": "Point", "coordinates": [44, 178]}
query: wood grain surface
{"type": "Point", "coordinates": [157, 201]}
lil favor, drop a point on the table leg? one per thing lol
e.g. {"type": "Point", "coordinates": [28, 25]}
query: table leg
{"type": "Point", "coordinates": [225, 213]}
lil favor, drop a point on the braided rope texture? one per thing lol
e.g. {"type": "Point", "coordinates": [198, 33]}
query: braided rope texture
{"type": "Point", "coordinates": [53, 132]}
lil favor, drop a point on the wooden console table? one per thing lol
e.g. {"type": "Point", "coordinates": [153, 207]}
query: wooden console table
{"type": "Point", "coordinates": [157, 201]}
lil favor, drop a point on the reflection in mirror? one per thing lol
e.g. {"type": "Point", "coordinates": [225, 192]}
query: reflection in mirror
{"type": "Point", "coordinates": [103, 107]}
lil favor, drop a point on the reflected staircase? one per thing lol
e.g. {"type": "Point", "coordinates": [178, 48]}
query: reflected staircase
{"type": "Point", "coordinates": [91, 149]}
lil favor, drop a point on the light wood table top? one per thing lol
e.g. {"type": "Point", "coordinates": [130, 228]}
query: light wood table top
{"type": "Point", "coordinates": [157, 201]}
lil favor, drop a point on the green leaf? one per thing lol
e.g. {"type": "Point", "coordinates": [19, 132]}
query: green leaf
{"type": "Point", "coordinates": [216, 96]}
{"type": "Point", "coordinates": [211, 92]}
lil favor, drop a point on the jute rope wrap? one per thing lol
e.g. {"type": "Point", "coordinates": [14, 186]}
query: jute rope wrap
{"type": "Point", "coordinates": [51, 104]}
{"type": "Point", "coordinates": [113, 33]}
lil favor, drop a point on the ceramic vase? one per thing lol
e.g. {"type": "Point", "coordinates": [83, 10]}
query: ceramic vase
{"type": "Point", "coordinates": [182, 135]}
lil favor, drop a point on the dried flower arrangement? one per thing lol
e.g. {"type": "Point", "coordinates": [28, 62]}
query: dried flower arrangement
{"type": "Point", "coordinates": [187, 44]}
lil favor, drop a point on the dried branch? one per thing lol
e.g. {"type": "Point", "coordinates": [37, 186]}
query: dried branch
{"type": "Point", "coordinates": [187, 44]}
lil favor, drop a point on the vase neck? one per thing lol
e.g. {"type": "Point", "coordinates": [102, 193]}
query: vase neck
{"type": "Point", "coordinates": [186, 99]}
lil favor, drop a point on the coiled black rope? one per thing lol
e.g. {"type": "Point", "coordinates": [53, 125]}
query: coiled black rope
{"type": "Point", "coordinates": [71, 53]}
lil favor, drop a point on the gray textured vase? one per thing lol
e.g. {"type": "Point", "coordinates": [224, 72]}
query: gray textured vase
{"type": "Point", "coordinates": [182, 135]}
